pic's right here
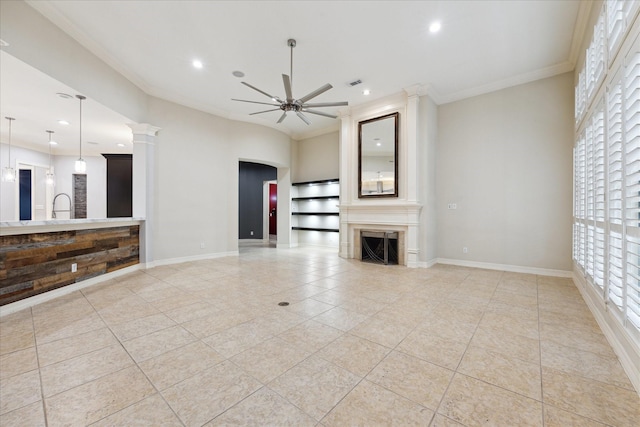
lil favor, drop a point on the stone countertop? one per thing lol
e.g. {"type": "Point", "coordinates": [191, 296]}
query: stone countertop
{"type": "Point", "coordinates": [27, 227]}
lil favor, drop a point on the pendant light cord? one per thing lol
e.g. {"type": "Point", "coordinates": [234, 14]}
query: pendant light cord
{"type": "Point", "coordinates": [10, 120]}
{"type": "Point", "coordinates": [81, 98]}
{"type": "Point", "coordinates": [80, 142]}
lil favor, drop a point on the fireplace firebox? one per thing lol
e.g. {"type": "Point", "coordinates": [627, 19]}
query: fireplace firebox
{"type": "Point", "coordinates": [380, 247]}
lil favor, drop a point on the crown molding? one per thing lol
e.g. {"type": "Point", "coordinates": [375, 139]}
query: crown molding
{"type": "Point", "coordinates": [579, 30]}
{"type": "Point", "coordinates": [543, 73]}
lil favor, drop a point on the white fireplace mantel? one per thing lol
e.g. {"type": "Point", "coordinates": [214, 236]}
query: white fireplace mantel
{"type": "Point", "coordinates": [402, 213]}
{"type": "Point", "coordinates": [401, 217]}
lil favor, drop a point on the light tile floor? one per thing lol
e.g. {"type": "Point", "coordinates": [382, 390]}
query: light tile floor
{"type": "Point", "coordinates": [206, 343]}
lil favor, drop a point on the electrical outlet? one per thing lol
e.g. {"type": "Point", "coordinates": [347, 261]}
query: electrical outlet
{"type": "Point", "coordinates": [201, 245]}
{"type": "Point", "coordinates": [465, 250]}
{"type": "Point", "coordinates": [74, 267]}
{"type": "Point", "coordinates": [452, 206]}
{"type": "Point", "coordinates": [252, 232]}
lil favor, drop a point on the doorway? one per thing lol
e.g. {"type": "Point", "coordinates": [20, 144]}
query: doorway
{"type": "Point", "coordinates": [25, 185]}
{"type": "Point", "coordinates": [273, 210]}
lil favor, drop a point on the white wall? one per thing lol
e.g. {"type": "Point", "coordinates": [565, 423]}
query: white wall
{"type": "Point", "coordinates": [64, 169]}
{"type": "Point", "coordinates": [318, 158]}
{"type": "Point", "coordinates": [34, 40]}
{"type": "Point", "coordinates": [505, 159]}
{"type": "Point", "coordinates": [197, 155]}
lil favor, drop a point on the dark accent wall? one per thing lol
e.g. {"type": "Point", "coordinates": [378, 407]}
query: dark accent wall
{"type": "Point", "coordinates": [31, 264]}
{"type": "Point", "coordinates": [79, 195]}
{"type": "Point", "coordinates": [119, 185]}
{"type": "Point", "coordinates": [251, 181]}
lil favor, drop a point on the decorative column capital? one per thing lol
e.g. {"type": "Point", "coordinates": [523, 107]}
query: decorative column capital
{"type": "Point", "coordinates": [143, 132]}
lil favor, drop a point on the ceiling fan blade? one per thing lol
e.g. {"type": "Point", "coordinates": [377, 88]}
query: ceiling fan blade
{"type": "Point", "coordinates": [303, 117]}
{"type": "Point", "coordinates": [319, 113]}
{"type": "Point", "coordinates": [315, 93]}
{"type": "Point", "coordinates": [327, 104]}
{"type": "Point", "coordinates": [258, 90]}
{"type": "Point", "coordinates": [255, 102]}
{"type": "Point", "coordinates": [287, 87]}
{"type": "Point", "coordinates": [265, 111]}
{"type": "Point", "coordinates": [282, 117]}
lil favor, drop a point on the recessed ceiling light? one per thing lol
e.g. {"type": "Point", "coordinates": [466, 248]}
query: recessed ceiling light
{"type": "Point", "coordinates": [197, 64]}
{"type": "Point", "coordinates": [435, 27]}
{"type": "Point", "coordinates": [120, 145]}
{"type": "Point", "coordinates": [63, 122]}
{"type": "Point", "coordinates": [53, 143]}
{"type": "Point", "coordinates": [378, 144]}
{"type": "Point", "coordinates": [238, 73]}
{"type": "Point", "coordinates": [366, 92]}
{"type": "Point", "coordinates": [64, 95]}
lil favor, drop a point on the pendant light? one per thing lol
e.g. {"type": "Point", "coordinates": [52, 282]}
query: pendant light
{"type": "Point", "coordinates": [9, 173]}
{"type": "Point", "coordinates": [51, 178]}
{"type": "Point", "coordinates": [81, 165]}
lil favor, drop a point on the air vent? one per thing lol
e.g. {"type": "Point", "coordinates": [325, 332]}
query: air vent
{"type": "Point", "coordinates": [355, 82]}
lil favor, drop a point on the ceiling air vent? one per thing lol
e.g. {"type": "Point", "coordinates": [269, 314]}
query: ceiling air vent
{"type": "Point", "coordinates": [355, 82]}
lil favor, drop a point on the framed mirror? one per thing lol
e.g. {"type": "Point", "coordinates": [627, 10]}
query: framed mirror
{"type": "Point", "coordinates": [378, 157]}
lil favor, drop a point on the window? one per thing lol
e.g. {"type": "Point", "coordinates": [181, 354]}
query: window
{"type": "Point", "coordinates": [606, 227]}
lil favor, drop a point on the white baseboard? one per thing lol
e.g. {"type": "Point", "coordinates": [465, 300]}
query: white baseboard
{"type": "Point", "coordinates": [65, 290]}
{"type": "Point", "coordinates": [180, 260]}
{"type": "Point", "coordinates": [627, 350]}
{"type": "Point", "coordinates": [506, 267]}
{"type": "Point", "coordinates": [426, 264]}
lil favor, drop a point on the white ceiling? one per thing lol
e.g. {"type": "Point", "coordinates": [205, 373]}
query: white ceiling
{"type": "Point", "coordinates": [483, 46]}
{"type": "Point", "coordinates": [30, 96]}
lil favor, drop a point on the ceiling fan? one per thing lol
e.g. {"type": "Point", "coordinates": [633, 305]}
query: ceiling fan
{"type": "Point", "coordinates": [290, 104]}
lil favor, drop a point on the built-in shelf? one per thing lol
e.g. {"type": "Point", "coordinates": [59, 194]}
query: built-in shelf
{"type": "Point", "coordinates": [321, 182]}
{"type": "Point", "coordinates": [316, 213]}
{"type": "Point", "coordinates": [321, 195]}
{"type": "Point", "coordinates": [334, 230]}
{"type": "Point", "coordinates": [316, 198]}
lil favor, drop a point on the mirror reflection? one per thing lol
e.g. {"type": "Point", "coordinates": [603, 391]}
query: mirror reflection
{"type": "Point", "coordinates": [377, 157]}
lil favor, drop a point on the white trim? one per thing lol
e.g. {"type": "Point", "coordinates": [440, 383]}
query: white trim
{"type": "Point", "coordinates": [506, 267]}
{"type": "Point", "coordinates": [180, 260]}
{"type": "Point", "coordinates": [65, 290]}
{"type": "Point", "coordinates": [426, 264]}
{"type": "Point", "coordinates": [623, 345]}
{"type": "Point", "coordinates": [543, 73]}
{"type": "Point", "coordinates": [579, 30]}
{"type": "Point", "coordinates": [286, 245]}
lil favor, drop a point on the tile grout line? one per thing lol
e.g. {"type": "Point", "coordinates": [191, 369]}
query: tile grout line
{"type": "Point", "coordinates": [35, 343]}
{"type": "Point", "coordinates": [135, 363]}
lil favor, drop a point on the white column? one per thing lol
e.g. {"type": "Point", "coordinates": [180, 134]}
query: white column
{"type": "Point", "coordinates": [143, 184]}
{"type": "Point", "coordinates": [284, 208]}
{"type": "Point", "coordinates": [347, 162]}
{"type": "Point", "coordinates": [411, 122]}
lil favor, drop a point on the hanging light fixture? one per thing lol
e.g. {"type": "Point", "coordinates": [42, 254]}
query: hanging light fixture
{"type": "Point", "coordinates": [9, 173]}
{"type": "Point", "coordinates": [51, 178]}
{"type": "Point", "coordinates": [81, 165]}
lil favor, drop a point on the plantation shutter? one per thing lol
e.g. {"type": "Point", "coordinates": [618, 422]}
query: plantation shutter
{"type": "Point", "coordinates": [598, 134]}
{"type": "Point", "coordinates": [631, 182]}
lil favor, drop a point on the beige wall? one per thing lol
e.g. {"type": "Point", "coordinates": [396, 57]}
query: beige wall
{"type": "Point", "coordinates": [317, 158]}
{"type": "Point", "coordinates": [505, 160]}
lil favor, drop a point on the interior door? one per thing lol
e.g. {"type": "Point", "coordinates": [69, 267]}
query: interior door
{"type": "Point", "coordinates": [24, 181]}
{"type": "Point", "coordinates": [273, 211]}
